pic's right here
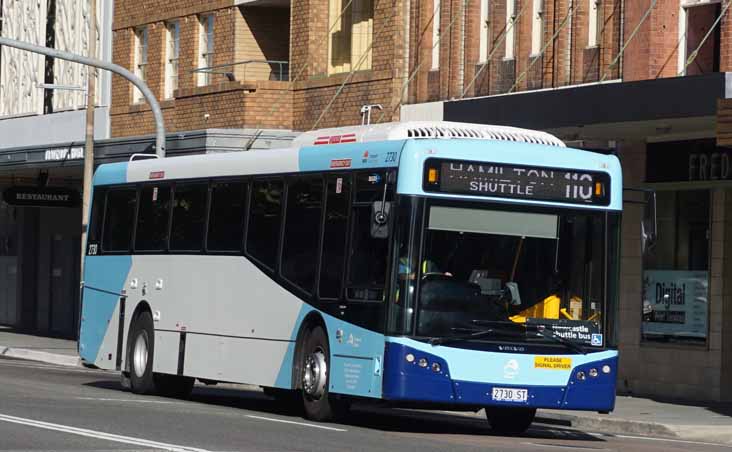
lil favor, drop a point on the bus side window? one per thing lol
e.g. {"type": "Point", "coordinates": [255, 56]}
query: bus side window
{"type": "Point", "coordinates": [368, 255]}
{"type": "Point", "coordinates": [265, 218]}
{"type": "Point", "coordinates": [189, 217]}
{"type": "Point", "coordinates": [302, 231]}
{"type": "Point", "coordinates": [334, 237]}
{"type": "Point", "coordinates": [153, 217]}
{"type": "Point", "coordinates": [96, 221]}
{"type": "Point", "coordinates": [226, 218]}
{"type": "Point", "coordinates": [119, 218]}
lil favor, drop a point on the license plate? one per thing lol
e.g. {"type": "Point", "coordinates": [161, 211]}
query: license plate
{"type": "Point", "coordinates": [510, 395]}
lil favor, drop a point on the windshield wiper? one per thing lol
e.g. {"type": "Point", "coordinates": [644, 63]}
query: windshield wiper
{"type": "Point", "coordinates": [466, 337]}
{"type": "Point", "coordinates": [540, 330]}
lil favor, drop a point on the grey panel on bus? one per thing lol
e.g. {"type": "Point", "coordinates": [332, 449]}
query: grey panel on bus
{"type": "Point", "coordinates": [519, 224]}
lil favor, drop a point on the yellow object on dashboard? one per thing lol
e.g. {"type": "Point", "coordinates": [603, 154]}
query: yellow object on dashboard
{"type": "Point", "coordinates": [545, 309]}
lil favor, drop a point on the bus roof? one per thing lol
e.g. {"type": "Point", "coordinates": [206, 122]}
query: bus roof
{"type": "Point", "coordinates": [423, 129]}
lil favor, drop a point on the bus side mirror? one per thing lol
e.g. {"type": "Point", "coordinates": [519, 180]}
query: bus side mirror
{"type": "Point", "coordinates": [380, 212]}
{"type": "Point", "coordinates": [649, 223]}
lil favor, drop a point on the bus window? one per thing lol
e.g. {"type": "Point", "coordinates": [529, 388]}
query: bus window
{"type": "Point", "coordinates": [334, 236]}
{"type": "Point", "coordinates": [368, 258]}
{"type": "Point", "coordinates": [119, 219]}
{"type": "Point", "coordinates": [226, 218]}
{"type": "Point", "coordinates": [189, 217]}
{"type": "Point", "coordinates": [152, 220]}
{"type": "Point", "coordinates": [265, 217]}
{"type": "Point", "coordinates": [96, 221]}
{"type": "Point", "coordinates": [302, 231]}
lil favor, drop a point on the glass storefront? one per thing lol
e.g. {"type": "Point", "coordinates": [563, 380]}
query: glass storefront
{"type": "Point", "coordinates": [676, 269]}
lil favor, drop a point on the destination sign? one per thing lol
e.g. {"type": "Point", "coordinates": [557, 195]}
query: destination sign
{"type": "Point", "coordinates": [517, 181]}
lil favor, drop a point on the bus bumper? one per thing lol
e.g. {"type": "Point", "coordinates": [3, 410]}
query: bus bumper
{"type": "Point", "coordinates": [413, 380]}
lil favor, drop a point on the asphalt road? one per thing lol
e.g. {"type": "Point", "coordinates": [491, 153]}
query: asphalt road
{"type": "Point", "coordinates": [44, 407]}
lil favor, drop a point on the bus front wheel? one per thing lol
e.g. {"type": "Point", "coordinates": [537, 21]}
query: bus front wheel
{"type": "Point", "coordinates": [140, 355]}
{"type": "Point", "coordinates": [510, 421]}
{"type": "Point", "coordinates": [319, 405]}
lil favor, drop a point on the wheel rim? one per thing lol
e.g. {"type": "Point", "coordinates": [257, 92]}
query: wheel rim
{"type": "Point", "coordinates": [314, 374]}
{"type": "Point", "coordinates": [139, 354]}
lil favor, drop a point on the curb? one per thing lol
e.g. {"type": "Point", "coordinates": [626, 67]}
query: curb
{"type": "Point", "coordinates": [609, 425]}
{"type": "Point", "coordinates": [37, 355]}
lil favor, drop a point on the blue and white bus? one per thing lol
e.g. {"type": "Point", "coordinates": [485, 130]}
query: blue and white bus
{"type": "Point", "coordinates": [432, 265]}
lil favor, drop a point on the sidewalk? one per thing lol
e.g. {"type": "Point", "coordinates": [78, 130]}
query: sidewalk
{"type": "Point", "coordinates": [648, 417]}
{"type": "Point", "coordinates": [632, 415]}
{"type": "Point", "coordinates": [38, 348]}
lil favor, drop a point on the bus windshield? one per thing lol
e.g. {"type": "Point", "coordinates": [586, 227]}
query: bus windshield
{"type": "Point", "coordinates": [485, 266]}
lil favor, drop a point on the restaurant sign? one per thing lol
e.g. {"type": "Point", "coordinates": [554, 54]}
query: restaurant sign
{"type": "Point", "coordinates": [41, 197]}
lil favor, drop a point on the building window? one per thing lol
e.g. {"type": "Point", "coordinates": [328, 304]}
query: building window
{"type": "Point", "coordinates": [172, 49]}
{"type": "Point", "coordinates": [698, 21]}
{"type": "Point", "coordinates": [483, 30]}
{"type": "Point", "coordinates": [140, 61]}
{"type": "Point", "coordinates": [676, 269]}
{"type": "Point", "coordinates": [351, 32]}
{"type": "Point", "coordinates": [510, 19]}
{"type": "Point", "coordinates": [592, 21]}
{"type": "Point", "coordinates": [205, 48]}
{"type": "Point", "coordinates": [436, 37]}
{"type": "Point", "coordinates": [537, 28]}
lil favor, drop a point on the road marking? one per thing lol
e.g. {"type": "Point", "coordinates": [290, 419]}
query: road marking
{"type": "Point", "coordinates": [669, 440]}
{"type": "Point", "coordinates": [100, 399]}
{"type": "Point", "coordinates": [305, 424]}
{"type": "Point", "coordinates": [98, 434]}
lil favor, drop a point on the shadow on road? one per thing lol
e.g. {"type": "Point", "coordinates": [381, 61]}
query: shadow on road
{"type": "Point", "coordinates": [365, 416]}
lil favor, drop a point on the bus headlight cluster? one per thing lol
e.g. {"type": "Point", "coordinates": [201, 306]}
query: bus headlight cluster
{"type": "Point", "coordinates": [592, 373]}
{"type": "Point", "coordinates": [423, 362]}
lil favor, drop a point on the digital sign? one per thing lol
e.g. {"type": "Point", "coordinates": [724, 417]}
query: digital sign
{"type": "Point", "coordinates": [517, 181]}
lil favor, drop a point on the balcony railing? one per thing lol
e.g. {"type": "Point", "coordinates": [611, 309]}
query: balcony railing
{"type": "Point", "coordinates": [251, 70]}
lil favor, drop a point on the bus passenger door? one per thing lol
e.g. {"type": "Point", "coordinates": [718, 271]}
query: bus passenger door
{"type": "Point", "coordinates": [352, 287]}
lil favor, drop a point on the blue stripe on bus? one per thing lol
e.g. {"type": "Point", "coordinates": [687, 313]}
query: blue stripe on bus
{"type": "Point", "coordinates": [112, 173]}
{"type": "Point", "coordinates": [376, 154]}
{"type": "Point", "coordinates": [104, 279]}
{"type": "Point", "coordinates": [417, 151]}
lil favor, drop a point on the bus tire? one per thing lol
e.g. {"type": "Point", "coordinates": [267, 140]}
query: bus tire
{"type": "Point", "coordinates": [510, 421]}
{"type": "Point", "coordinates": [175, 386]}
{"type": "Point", "coordinates": [140, 354]}
{"type": "Point", "coordinates": [318, 403]}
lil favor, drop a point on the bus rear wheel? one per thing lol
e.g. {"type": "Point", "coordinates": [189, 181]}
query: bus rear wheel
{"type": "Point", "coordinates": [318, 403]}
{"type": "Point", "coordinates": [140, 355]}
{"type": "Point", "coordinates": [510, 421]}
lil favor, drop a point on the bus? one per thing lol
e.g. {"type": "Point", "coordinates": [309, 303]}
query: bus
{"type": "Point", "coordinates": [419, 264]}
